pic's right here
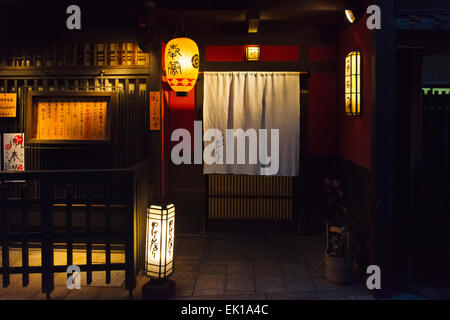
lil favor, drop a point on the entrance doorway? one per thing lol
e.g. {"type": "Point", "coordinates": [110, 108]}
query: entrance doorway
{"type": "Point", "coordinates": [246, 197]}
{"type": "Point", "coordinates": [431, 254]}
{"type": "Point", "coordinates": [423, 176]}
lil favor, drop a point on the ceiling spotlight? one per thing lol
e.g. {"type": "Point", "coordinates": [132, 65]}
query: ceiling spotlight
{"type": "Point", "coordinates": [350, 16]}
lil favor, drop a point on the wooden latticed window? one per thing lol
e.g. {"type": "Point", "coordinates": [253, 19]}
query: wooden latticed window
{"type": "Point", "coordinates": [117, 54]}
{"type": "Point", "coordinates": [353, 84]}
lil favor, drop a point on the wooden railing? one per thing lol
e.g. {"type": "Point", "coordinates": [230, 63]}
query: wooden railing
{"type": "Point", "coordinates": [119, 196]}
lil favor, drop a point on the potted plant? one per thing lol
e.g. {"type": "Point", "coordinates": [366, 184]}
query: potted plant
{"type": "Point", "coordinates": [338, 260]}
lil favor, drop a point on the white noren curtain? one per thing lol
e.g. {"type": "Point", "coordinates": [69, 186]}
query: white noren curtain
{"type": "Point", "coordinates": [253, 100]}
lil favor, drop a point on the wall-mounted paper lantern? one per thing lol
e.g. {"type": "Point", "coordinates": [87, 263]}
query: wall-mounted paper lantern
{"type": "Point", "coordinates": [252, 53]}
{"type": "Point", "coordinates": [160, 241]}
{"type": "Point", "coordinates": [353, 84]}
{"type": "Point", "coordinates": [182, 63]}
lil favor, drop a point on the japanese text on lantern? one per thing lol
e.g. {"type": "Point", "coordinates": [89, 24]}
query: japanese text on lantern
{"type": "Point", "coordinates": [59, 119]}
{"type": "Point", "coordinates": [8, 105]}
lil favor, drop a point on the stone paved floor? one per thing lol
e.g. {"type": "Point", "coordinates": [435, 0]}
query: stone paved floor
{"type": "Point", "coordinates": [214, 267]}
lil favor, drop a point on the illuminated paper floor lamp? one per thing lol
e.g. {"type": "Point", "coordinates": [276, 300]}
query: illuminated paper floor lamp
{"type": "Point", "coordinates": [159, 249]}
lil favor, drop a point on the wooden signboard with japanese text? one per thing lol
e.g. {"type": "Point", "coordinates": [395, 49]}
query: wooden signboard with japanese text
{"type": "Point", "coordinates": [8, 105]}
{"type": "Point", "coordinates": [155, 110]}
{"type": "Point", "coordinates": [74, 120]}
{"type": "Point", "coordinates": [65, 119]}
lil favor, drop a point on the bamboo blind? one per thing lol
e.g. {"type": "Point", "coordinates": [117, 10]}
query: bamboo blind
{"type": "Point", "coordinates": [242, 197]}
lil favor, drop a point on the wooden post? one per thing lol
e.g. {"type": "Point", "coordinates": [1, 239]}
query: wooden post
{"type": "Point", "coordinates": [384, 147]}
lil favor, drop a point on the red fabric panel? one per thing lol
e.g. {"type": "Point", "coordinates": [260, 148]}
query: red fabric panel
{"type": "Point", "coordinates": [225, 53]}
{"type": "Point", "coordinates": [280, 53]}
{"type": "Point", "coordinates": [182, 114]}
{"type": "Point", "coordinates": [322, 53]}
{"type": "Point", "coordinates": [322, 114]}
{"type": "Point", "coordinates": [178, 112]}
{"type": "Point", "coordinates": [237, 53]}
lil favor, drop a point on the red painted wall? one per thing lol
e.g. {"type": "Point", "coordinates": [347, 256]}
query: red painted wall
{"type": "Point", "coordinates": [355, 133]}
{"type": "Point", "coordinates": [322, 54]}
{"type": "Point", "coordinates": [322, 114]}
{"type": "Point", "coordinates": [181, 114]}
{"type": "Point", "coordinates": [237, 53]}
{"type": "Point", "coordinates": [322, 109]}
{"type": "Point", "coordinates": [224, 53]}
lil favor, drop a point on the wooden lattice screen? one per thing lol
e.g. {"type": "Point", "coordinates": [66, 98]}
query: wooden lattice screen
{"type": "Point", "coordinates": [80, 67]}
{"type": "Point", "coordinates": [63, 66]}
{"type": "Point", "coordinates": [112, 54]}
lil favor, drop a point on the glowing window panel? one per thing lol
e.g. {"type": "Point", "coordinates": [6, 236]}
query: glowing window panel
{"type": "Point", "coordinates": [353, 84]}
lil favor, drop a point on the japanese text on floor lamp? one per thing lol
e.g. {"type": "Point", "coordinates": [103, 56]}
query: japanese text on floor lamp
{"type": "Point", "coordinates": [160, 241]}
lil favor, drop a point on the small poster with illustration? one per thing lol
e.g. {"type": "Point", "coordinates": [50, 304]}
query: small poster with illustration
{"type": "Point", "coordinates": [13, 152]}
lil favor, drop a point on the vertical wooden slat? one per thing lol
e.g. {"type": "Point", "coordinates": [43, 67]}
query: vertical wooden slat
{"type": "Point", "coordinates": [130, 276]}
{"type": "Point", "coordinates": [13, 57]}
{"type": "Point", "coordinates": [24, 209]}
{"type": "Point", "coordinates": [94, 53]}
{"type": "Point", "coordinates": [74, 52]}
{"type": "Point", "coordinates": [35, 50]}
{"type": "Point", "coordinates": [47, 241]}
{"type": "Point", "coordinates": [235, 208]}
{"type": "Point", "coordinates": [5, 243]}
{"type": "Point", "coordinates": [55, 62]}
{"type": "Point", "coordinates": [252, 179]}
{"type": "Point", "coordinates": [69, 226]}
{"type": "Point", "coordinates": [65, 50]}
{"type": "Point", "coordinates": [107, 231]}
{"type": "Point", "coordinates": [212, 199]}
{"type": "Point", "coordinates": [89, 234]}
{"type": "Point", "coordinates": [211, 189]}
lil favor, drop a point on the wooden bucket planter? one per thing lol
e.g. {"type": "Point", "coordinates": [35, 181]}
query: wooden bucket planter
{"type": "Point", "coordinates": [338, 270]}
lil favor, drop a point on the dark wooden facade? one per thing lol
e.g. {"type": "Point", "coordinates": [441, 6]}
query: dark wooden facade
{"type": "Point", "coordinates": [366, 153]}
{"type": "Point", "coordinates": [83, 196]}
{"type": "Point", "coordinates": [422, 144]}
